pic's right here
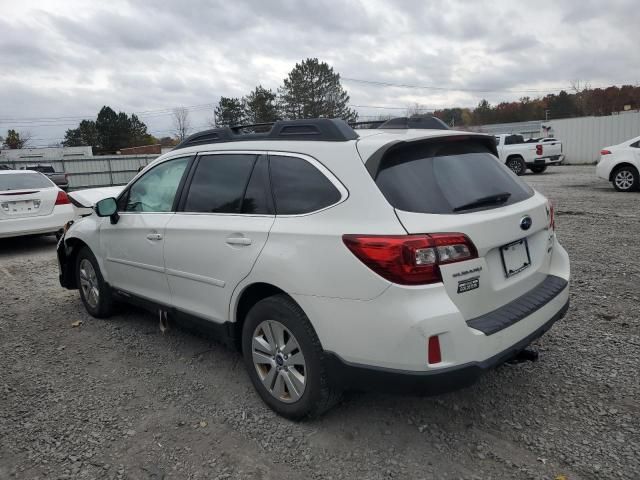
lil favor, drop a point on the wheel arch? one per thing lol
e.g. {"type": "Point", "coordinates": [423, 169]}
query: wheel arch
{"type": "Point", "coordinates": [247, 298]}
{"type": "Point", "coordinates": [620, 165]}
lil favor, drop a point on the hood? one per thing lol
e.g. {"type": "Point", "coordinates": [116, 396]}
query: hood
{"type": "Point", "coordinates": [89, 197]}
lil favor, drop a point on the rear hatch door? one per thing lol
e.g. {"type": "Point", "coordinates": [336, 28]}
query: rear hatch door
{"type": "Point", "coordinates": [459, 186]}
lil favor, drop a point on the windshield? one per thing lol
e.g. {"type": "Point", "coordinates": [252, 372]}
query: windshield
{"type": "Point", "coordinates": [22, 181]}
{"type": "Point", "coordinates": [448, 179]}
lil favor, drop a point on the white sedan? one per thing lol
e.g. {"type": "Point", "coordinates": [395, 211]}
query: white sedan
{"type": "Point", "coordinates": [620, 165]}
{"type": "Point", "coordinates": [31, 204]}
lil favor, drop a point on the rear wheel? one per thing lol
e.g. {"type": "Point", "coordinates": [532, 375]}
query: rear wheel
{"type": "Point", "coordinates": [284, 359]}
{"type": "Point", "coordinates": [517, 165]}
{"type": "Point", "coordinates": [94, 292]}
{"type": "Point", "coordinates": [625, 179]}
{"type": "Point", "coordinates": [538, 169]}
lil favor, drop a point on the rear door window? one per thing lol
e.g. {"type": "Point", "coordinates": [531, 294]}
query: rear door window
{"type": "Point", "coordinates": [219, 183]}
{"type": "Point", "coordinates": [299, 187]}
{"type": "Point", "coordinates": [448, 178]}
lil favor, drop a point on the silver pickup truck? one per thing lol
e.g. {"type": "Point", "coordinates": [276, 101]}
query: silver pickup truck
{"type": "Point", "coordinates": [59, 178]}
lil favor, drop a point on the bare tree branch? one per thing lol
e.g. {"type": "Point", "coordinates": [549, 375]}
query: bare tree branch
{"type": "Point", "coordinates": [181, 122]}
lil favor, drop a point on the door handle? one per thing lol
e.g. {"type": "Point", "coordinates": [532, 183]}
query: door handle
{"type": "Point", "coordinates": [154, 236]}
{"type": "Point", "coordinates": [238, 241]}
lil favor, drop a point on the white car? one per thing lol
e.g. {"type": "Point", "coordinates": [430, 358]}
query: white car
{"type": "Point", "coordinates": [620, 164]}
{"type": "Point", "coordinates": [31, 204]}
{"type": "Point", "coordinates": [410, 260]}
{"type": "Point", "coordinates": [519, 154]}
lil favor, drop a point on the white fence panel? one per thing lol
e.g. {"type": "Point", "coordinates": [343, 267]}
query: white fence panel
{"type": "Point", "coordinates": [93, 171]}
{"type": "Point", "coordinates": [584, 137]}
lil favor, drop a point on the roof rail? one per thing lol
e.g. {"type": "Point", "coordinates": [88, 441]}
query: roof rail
{"type": "Point", "coordinates": [426, 122]}
{"type": "Point", "coordinates": [315, 129]}
{"type": "Point", "coordinates": [367, 125]}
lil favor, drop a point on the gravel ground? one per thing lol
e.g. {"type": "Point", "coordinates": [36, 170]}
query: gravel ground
{"type": "Point", "coordinates": [118, 399]}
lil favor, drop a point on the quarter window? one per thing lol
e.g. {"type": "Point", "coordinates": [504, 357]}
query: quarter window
{"type": "Point", "coordinates": [219, 183]}
{"type": "Point", "coordinates": [156, 190]}
{"type": "Point", "coordinates": [299, 187]}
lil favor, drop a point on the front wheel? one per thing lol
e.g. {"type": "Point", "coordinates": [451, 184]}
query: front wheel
{"type": "Point", "coordinates": [285, 360]}
{"type": "Point", "coordinates": [517, 165]}
{"type": "Point", "coordinates": [94, 292]}
{"type": "Point", "coordinates": [625, 179]}
{"type": "Point", "coordinates": [538, 169]}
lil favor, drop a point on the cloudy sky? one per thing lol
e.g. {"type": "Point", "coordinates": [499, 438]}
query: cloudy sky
{"type": "Point", "coordinates": [61, 60]}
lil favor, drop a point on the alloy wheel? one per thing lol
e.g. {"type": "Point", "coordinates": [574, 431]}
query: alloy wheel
{"type": "Point", "coordinates": [515, 166]}
{"type": "Point", "coordinates": [624, 179]}
{"type": "Point", "coordinates": [279, 361]}
{"type": "Point", "coordinates": [89, 283]}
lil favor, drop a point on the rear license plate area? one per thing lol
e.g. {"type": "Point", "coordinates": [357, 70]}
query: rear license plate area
{"type": "Point", "coordinates": [515, 257]}
{"type": "Point", "coordinates": [20, 206]}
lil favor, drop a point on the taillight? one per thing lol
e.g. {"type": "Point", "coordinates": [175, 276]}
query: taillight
{"type": "Point", "coordinates": [552, 217]}
{"type": "Point", "coordinates": [62, 198]}
{"type": "Point", "coordinates": [410, 259]}
{"type": "Point", "coordinates": [538, 149]}
{"type": "Point", "coordinates": [605, 152]}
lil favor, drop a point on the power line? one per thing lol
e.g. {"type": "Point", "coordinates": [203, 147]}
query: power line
{"type": "Point", "coordinates": [449, 89]}
{"type": "Point", "coordinates": [144, 113]}
{"type": "Point", "coordinates": [472, 90]}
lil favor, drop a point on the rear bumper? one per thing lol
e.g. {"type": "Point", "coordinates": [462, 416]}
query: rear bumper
{"type": "Point", "coordinates": [15, 227]}
{"type": "Point", "coordinates": [547, 161]}
{"type": "Point", "coordinates": [362, 377]}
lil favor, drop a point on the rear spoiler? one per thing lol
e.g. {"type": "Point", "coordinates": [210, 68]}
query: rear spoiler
{"type": "Point", "coordinates": [372, 164]}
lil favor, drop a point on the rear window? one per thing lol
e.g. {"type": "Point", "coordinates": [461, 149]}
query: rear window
{"type": "Point", "coordinates": [21, 181]}
{"type": "Point", "coordinates": [448, 178]}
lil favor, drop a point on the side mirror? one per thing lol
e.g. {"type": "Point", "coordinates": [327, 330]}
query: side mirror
{"type": "Point", "coordinates": [107, 207]}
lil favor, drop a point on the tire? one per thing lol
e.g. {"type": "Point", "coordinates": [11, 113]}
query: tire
{"type": "Point", "coordinates": [94, 292]}
{"type": "Point", "coordinates": [625, 179]}
{"type": "Point", "coordinates": [516, 165]}
{"type": "Point", "coordinates": [291, 381]}
{"type": "Point", "coordinates": [538, 169]}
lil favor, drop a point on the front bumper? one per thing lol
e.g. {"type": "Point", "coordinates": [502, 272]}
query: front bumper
{"type": "Point", "coordinates": [65, 268]}
{"type": "Point", "coordinates": [354, 376]}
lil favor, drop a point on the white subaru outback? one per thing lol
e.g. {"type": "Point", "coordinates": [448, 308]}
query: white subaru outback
{"type": "Point", "coordinates": [400, 258]}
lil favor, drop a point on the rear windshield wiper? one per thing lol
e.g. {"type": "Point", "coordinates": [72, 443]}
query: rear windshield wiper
{"type": "Point", "coordinates": [495, 199]}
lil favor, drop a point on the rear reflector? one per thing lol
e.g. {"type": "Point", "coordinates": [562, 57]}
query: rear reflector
{"type": "Point", "coordinates": [410, 259]}
{"type": "Point", "coordinates": [62, 198]}
{"type": "Point", "coordinates": [605, 152]}
{"type": "Point", "coordinates": [433, 350]}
